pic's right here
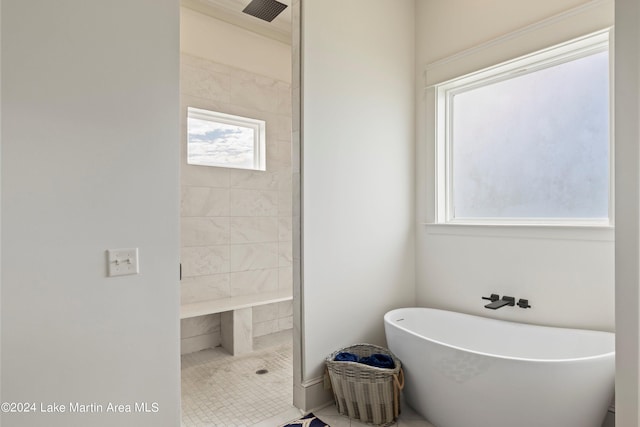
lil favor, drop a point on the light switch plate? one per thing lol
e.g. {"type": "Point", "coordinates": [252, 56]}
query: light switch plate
{"type": "Point", "coordinates": [122, 262]}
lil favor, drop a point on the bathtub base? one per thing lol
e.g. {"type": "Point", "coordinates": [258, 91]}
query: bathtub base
{"type": "Point", "coordinates": [459, 391]}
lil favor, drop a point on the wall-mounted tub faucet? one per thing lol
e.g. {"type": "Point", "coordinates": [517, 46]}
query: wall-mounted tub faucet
{"type": "Point", "coordinates": [496, 304]}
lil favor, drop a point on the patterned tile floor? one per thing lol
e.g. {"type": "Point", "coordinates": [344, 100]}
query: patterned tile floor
{"type": "Point", "coordinates": [220, 390]}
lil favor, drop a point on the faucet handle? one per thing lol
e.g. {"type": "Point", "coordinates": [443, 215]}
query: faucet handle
{"type": "Point", "coordinates": [523, 303]}
{"type": "Point", "coordinates": [493, 297]}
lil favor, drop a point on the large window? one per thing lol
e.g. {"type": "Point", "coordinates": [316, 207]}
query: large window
{"type": "Point", "coordinates": [219, 139]}
{"type": "Point", "coordinates": [528, 141]}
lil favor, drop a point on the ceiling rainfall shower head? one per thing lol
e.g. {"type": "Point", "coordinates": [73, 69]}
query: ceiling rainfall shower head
{"type": "Point", "coordinates": [266, 10]}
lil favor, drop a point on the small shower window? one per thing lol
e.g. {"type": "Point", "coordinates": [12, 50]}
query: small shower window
{"type": "Point", "coordinates": [528, 142]}
{"type": "Point", "coordinates": [224, 140]}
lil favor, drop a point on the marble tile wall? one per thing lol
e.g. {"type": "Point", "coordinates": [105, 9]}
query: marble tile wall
{"type": "Point", "coordinates": [236, 225]}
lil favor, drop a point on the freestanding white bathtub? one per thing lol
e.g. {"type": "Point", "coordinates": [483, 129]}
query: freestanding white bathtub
{"type": "Point", "coordinates": [470, 371]}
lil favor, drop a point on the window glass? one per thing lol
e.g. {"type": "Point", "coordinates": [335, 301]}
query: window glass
{"type": "Point", "coordinates": [532, 145]}
{"type": "Point", "coordinates": [216, 139]}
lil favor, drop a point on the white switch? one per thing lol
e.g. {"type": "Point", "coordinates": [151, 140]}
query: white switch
{"type": "Point", "coordinates": [122, 262]}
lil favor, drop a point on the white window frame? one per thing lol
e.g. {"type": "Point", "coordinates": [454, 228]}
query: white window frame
{"type": "Point", "coordinates": [259, 135]}
{"type": "Point", "coordinates": [444, 92]}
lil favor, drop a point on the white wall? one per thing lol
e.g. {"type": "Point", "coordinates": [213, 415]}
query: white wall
{"type": "Point", "coordinates": [447, 27]}
{"type": "Point", "coordinates": [207, 37]}
{"type": "Point", "coordinates": [0, 196]}
{"type": "Point", "coordinates": [627, 213]}
{"type": "Point", "coordinates": [90, 162]}
{"type": "Point", "coordinates": [567, 275]}
{"type": "Point", "coordinates": [357, 171]}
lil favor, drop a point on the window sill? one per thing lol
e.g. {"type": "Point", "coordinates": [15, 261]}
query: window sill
{"type": "Point", "coordinates": [557, 232]}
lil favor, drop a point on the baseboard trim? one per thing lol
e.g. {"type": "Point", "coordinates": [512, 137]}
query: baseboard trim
{"type": "Point", "coordinates": [311, 395]}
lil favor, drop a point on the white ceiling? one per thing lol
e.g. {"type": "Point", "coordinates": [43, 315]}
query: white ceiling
{"type": "Point", "coordinates": [231, 11]}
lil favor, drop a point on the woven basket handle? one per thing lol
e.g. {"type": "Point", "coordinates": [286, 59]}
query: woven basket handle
{"type": "Point", "coordinates": [398, 381]}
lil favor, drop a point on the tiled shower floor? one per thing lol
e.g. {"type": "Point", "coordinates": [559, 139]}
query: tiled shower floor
{"type": "Point", "coordinates": [220, 390]}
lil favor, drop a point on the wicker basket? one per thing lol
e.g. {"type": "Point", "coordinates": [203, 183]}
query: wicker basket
{"type": "Point", "coordinates": [364, 392]}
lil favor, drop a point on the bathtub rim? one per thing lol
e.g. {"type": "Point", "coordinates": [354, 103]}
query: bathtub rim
{"type": "Point", "coordinates": [607, 355]}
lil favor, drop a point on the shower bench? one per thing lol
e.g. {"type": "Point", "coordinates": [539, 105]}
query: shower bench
{"type": "Point", "coordinates": [236, 321]}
